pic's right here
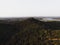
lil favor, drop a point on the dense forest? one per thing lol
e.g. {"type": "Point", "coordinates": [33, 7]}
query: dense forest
{"type": "Point", "coordinates": [29, 32]}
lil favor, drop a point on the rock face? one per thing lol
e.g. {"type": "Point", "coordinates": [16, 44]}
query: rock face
{"type": "Point", "coordinates": [27, 32]}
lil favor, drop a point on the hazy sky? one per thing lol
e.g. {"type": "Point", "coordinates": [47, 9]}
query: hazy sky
{"type": "Point", "coordinates": [29, 7]}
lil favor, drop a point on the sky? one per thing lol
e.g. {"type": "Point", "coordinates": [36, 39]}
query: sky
{"type": "Point", "coordinates": [24, 8]}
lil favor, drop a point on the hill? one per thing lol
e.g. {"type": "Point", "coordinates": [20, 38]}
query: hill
{"type": "Point", "coordinates": [27, 32]}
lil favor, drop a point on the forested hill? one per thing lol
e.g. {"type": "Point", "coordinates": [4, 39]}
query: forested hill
{"type": "Point", "coordinates": [25, 32]}
{"type": "Point", "coordinates": [52, 25]}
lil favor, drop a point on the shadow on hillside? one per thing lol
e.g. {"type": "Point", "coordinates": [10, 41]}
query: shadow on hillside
{"type": "Point", "coordinates": [6, 32]}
